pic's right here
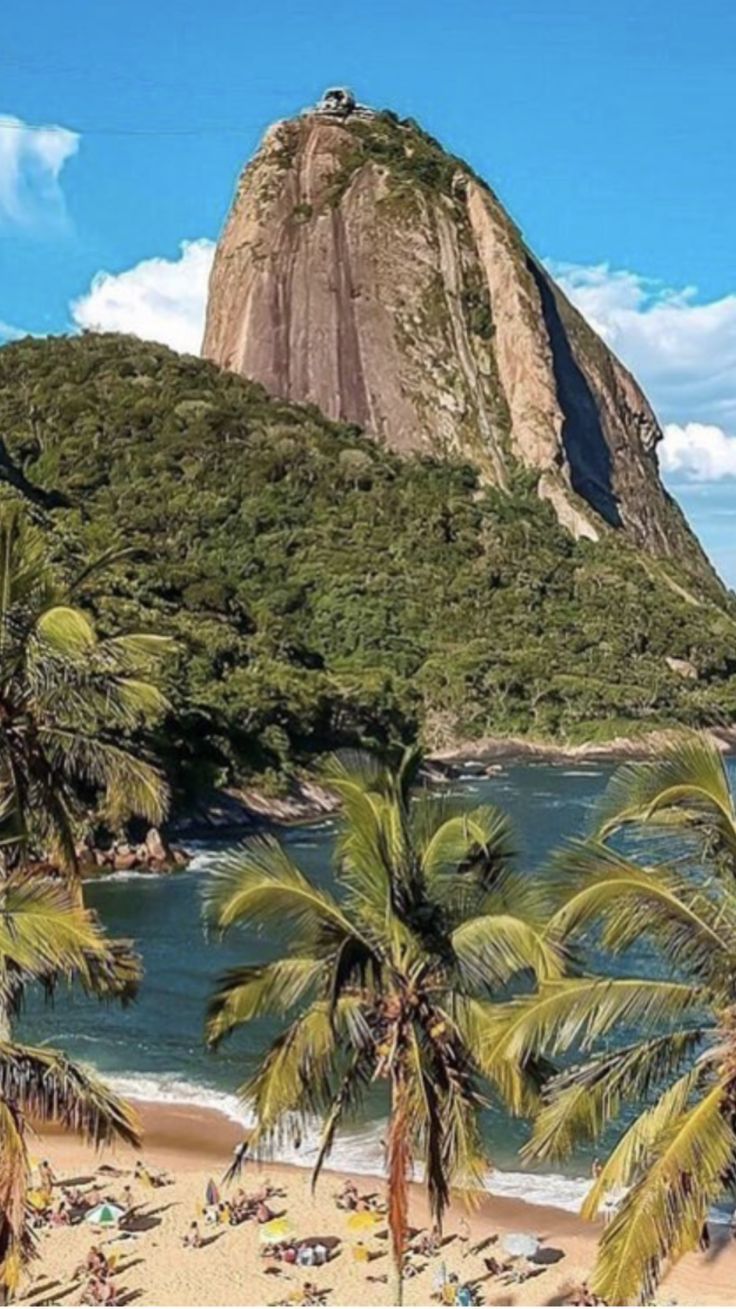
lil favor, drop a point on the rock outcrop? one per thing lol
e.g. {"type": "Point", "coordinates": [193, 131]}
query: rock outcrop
{"type": "Point", "coordinates": [365, 270]}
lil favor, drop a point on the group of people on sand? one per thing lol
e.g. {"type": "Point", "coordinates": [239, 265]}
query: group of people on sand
{"type": "Point", "coordinates": [242, 1208]}
{"type": "Point", "coordinates": [56, 1204]}
{"type": "Point", "coordinates": [96, 1272]}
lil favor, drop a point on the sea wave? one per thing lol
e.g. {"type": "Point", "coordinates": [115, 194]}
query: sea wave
{"type": "Point", "coordinates": [359, 1151]}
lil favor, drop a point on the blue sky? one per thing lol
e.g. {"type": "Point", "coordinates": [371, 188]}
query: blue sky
{"type": "Point", "coordinates": [607, 128]}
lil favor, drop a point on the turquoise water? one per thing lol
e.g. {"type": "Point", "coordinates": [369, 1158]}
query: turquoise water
{"type": "Point", "coordinates": [154, 1048]}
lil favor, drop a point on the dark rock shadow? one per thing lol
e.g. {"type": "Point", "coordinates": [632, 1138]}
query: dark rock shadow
{"type": "Point", "coordinates": [591, 466]}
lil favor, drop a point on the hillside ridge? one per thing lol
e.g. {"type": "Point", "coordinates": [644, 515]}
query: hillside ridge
{"type": "Point", "coordinates": [325, 591]}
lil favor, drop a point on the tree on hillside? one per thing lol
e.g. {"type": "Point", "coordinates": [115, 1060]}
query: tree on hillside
{"type": "Point", "coordinates": [387, 981]}
{"type": "Point", "coordinates": [678, 1156]}
{"type": "Point", "coordinates": [68, 702]}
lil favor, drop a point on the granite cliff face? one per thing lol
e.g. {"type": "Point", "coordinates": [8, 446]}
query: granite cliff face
{"type": "Point", "coordinates": [366, 271]}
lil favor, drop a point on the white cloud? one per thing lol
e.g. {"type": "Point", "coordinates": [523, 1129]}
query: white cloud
{"type": "Point", "coordinates": [158, 299]}
{"type": "Point", "coordinates": [31, 160]}
{"type": "Point", "coordinates": [682, 352]}
{"type": "Point", "coordinates": [699, 451]}
{"type": "Point", "coordinates": [10, 333]}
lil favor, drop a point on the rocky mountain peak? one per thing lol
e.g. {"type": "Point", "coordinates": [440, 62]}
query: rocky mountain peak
{"type": "Point", "coordinates": [367, 271]}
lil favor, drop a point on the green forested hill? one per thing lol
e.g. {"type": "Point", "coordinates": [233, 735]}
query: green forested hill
{"type": "Point", "coordinates": [322, 589]}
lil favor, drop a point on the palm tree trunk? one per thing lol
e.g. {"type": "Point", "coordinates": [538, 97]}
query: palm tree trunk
{"type": "Point", "coordinates": [398, 1184]}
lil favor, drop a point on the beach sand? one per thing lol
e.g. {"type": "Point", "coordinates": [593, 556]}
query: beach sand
{"type": "Point", "coordinates": [195, 1144]}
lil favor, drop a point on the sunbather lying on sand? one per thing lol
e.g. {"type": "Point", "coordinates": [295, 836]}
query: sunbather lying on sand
{"type": "Point", "coordinates": [95, 1264]}
{"type": "Point", "coordinates": [147, 1175]}
{"type": "Point", "coordinates": [100, 1291]}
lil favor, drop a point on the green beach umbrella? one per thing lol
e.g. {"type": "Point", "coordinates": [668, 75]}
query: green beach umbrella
{"type": "Point", "coordinates": [105, 1215]}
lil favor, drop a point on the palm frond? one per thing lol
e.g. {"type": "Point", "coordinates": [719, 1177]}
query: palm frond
{"type": "Point", "coordinates": [690, 779]}
{"type": "Point", "coordinates": [575, 1013]}
{"type": "Point", "coordinates": [252, 990]}
{"type": "Point", "coordinates": [16, 1238]}
{"type": "Point", "coordinates": [696, 924]}
{"type": "Point", "coordinates": [517, 1081]}
{"type": "Point", "coordinates": [292, 1084]}
{"type": "Point", "coordinates": [478, 840]}
{"type": "Point", "coordinates": [663, 1214]}
{"type": "Point", "coordinates": [637, 1144]}
{"type": "Point", "coordinates": [580, 1102]}
{"type": "Point", "coordinates": [129, 783]}
{"type": "Point", "coordinates": [46, 934]}
{"type": "Point", "coordinates": [66, 632]}
{"type": "Point", "coordinates": [348, 1098]}
{"type": "Point", "coordinates": [493, 948]}
{"type": "Point", "coordinates": [259, 884]}
{"type": "Point", "coordinates": [49, 1088]}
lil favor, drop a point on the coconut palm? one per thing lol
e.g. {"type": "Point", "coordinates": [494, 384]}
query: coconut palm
{"type": "Point", "coordinates": [68, 700]}
{"type": "Point", "coordinates": [387, 981]}
{"type": "Point", "coordinates": [48, 939]}
{"type": "Point", "coordinates": [678, 1155]}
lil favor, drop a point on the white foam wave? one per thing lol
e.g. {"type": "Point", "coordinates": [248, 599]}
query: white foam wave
{"type": "Point", "coordinates": [359, 1151]}
{"type": "Point", "coordinates": [167, 1088]}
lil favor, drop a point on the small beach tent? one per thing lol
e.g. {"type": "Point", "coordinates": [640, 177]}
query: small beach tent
{"type": "Point", "coordinates": [105, 1215]}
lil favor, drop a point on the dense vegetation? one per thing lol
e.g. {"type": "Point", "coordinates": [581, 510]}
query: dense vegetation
{"type": "Point", "coordinates": [323, 590]}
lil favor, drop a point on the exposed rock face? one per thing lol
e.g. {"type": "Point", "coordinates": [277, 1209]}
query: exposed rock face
{"type": "Point", "coordinates": [364, 270]}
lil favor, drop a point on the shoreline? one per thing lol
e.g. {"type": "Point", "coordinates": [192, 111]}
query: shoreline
{"type": "Point", "coordinates": [511, 748]}
{"type": "Point", "coordinates": [239, 811]}
{"type": "Point", "coordinates": [194, 1144]}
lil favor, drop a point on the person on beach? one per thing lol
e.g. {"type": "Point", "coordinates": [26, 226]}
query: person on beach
{"type": "Point", "coordinates": [46, 1176]}
{"type": "Point", "coordinates": [463, 1234]}
{"type": "Point", "coordinates": [347, 1198]}
{"type": "Point", "coordinates": [147, 1176]}
{"type": "Point", "coordinates": [193, 1238]}
{"type": "Point", "coordinates": [95, 1264]}
{"type": "Point", "coordinates": [61, 1216]}
{"type": "Point", "coordinates": [263, 1213]}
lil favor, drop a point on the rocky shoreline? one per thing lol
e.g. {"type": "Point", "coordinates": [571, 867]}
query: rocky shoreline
{"type": "Point", "coordinates": [155, 854]}
{"type": "Point", "coordinates": [507, 749]}
{"type": "Point", "coordinates": [308, 802]}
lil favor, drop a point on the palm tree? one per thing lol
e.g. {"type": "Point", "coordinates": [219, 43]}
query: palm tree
{"type": "Point", "coordinates": [387, 981]}
{"type": "Point", "coordinates": [678, 1155]}
{"type": "Point", "coordinates": [68, 700]}
{"type": "Point", "coordinates": [48, 939]}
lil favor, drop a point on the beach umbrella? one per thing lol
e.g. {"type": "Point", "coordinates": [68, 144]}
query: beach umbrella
{"type": "Point", "coordinates": [211, 1195]}
{"type": "Point", "coordinates": [105, 1215]}
{"type": "Point", "coordinates": [277, 1230]}
{"type": "Point", "coordinates": [363, 1221]}
{"type": "Point", "coordinates": [520, 1244]}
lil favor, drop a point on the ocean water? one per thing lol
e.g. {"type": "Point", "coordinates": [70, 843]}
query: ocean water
{"type": "Point", "coordinates": [154, 1048]}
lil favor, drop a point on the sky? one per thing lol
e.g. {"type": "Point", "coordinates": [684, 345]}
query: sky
{"type": "Point", "coordinates": [606, 128]}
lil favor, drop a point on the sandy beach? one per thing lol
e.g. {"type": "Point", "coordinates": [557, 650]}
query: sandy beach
{"type": "Point", "coordinates": [194, 1145]}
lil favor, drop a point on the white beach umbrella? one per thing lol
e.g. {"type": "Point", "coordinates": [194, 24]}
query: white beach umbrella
{"type": "Point", "coordinates": [520, 1244]}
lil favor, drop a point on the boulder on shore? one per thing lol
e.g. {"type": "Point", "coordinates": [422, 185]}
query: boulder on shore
{"type": "Point", "coordinates": [153, 855]}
